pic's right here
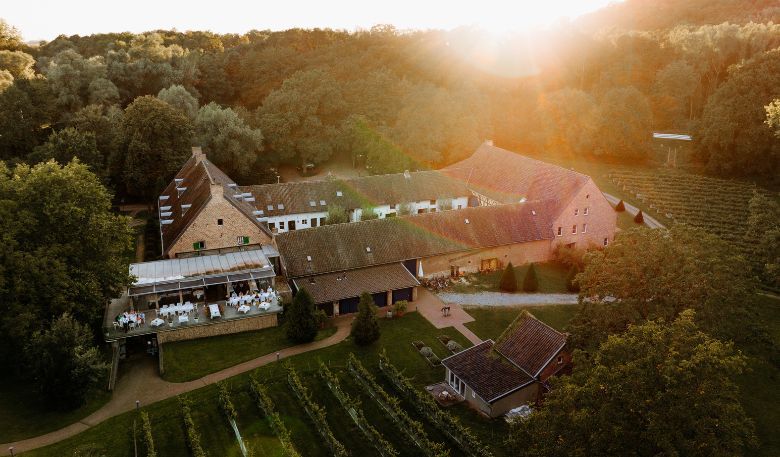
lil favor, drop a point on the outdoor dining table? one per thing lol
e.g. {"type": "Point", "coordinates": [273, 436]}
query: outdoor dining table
{"type": "Point", "coordinates": [157, 322]}
{"type": "Point", "coordinates": [214, 311]}
{"type": "Point", "coordinates": [243, 309]}
{"type": "Point", "coordinates": [183, 318]}
{"type": "Point", "coordinates": [265, 306]}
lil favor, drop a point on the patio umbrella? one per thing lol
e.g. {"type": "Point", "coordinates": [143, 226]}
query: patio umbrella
{"type": "Point", "coordinates": [420, 270]}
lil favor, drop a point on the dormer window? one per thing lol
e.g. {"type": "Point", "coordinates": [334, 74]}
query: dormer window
{"type": "Point", "coordinates": [270, 207]}
{"type": "Point", "coordinates": [280, 206]}
{"type": "Point", "coordinates": [312, 203]}
{"type": "Point", "coordinates": [322, 202]}
{"type": "Point", "coordinates": [576, 211]}
{"type": "Point", "coordinates": [368, 249]}
{"type": "Point", "coordinates": [308, 258]}
{"type": "Point", "coordinates": [339, 193]}
{"type": "Point", "coordinates": [220, 222]}
{"type": "Point", "coordinates": [533, 212]}
{"type": "Point", "coordinates": [585, 211]}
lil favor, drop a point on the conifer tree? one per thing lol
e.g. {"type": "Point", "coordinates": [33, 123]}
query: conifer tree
{"type": "Point", "coordinates": [530, 282]}
{"type": "Point", "coordinates": [365, 328]}
{"type": "Point", "coordinates": [639, 218]}
{"type": "Point", "coordinates": [508, 282]}
{"type": "Point", "coordinates": [620, 207]}
{"type": "Point", "coordinates": [301, 318]}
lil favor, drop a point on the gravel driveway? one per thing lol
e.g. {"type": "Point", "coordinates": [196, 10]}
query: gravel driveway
{"type": "Point", "coordinates": [504, 299]}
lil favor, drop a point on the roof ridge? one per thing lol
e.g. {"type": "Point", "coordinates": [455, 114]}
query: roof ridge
{"type": "Point", "coordinates": [571, 170]}
{"type": "Point", "coordinates": [347, 179]}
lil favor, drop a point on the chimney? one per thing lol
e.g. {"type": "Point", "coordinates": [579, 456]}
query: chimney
{"type": "Point", "coordinates": [407, 175]}
{"type": "Point", "coordinates": [197, 152]}
{"type": "Point", "coordinates": [489, 142]}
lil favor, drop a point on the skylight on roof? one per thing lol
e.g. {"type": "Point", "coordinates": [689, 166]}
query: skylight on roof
{"type": "Point", "coordinates": [163, 197]}
{"type": "Point", "coordinates": [312, 203]}
{"type": "Point", "coordinates": [338, 193]}
{"type": "Point", "coordinates": [322, 202]}
{"type": "Point", "coordinates": [280, 206]}
{"type": "Point", "coordinates": [258, 212]}
{"type": "Point", "coordinates": [467, 221]}
{"type": "Point", "coordinates": [533, 212]}
{"type": "Point", "coordinates": [308, 258]}
{"type": "Point", "coordinates": [368, 249]}
{"type": "Point", "coordinates": [270, 207]}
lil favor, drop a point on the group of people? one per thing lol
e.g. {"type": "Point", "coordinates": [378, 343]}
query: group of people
{"type": "Point", "coordinates": [128, 320]}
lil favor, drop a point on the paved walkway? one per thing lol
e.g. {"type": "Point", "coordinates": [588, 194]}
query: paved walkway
{"type": "Point", "coordinates": [506, 299]}
{"type": "Point", "coordinates": [429, 305]}
{"type": "Point", "coordinates": [649, 220]}
{"type": "Point", "coordinates": [144, 384]}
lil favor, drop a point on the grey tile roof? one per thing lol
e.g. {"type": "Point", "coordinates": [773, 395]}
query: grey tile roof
{"type": "Point", "coordinates": [346, 284]}
{"type": "Point", "coordinates": [488, 375]}
{"type": "Point", "coordinates": [360, 244]}
{"type": "Point", "coordinates": [309, 196]}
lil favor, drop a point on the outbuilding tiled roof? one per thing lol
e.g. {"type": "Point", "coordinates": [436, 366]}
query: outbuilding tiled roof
{"type": "Point", "coordinates": [361, 244]}
{"type": "Point", "coordinates": [315, 196]}
{"type": "Point", "coordinates": [508, 177]}
{"type": "Point", "coordinates": [488, 376]}
{"type": "Point", "coordinates": [346, 284]}
{"type": "Point", "coordinates": [530, 343]}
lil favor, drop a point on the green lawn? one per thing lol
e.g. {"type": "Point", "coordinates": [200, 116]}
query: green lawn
{"type": "Point", "coordinates": [193, 359]}
{"type": "Point", "coordinates": [551, 275]}
{"type": "Point", "coordinates": [22, 415]}
{"type": "Point", "coordinates": [115, 438]}
{"type": "Point", "coordinates": [490, 321]}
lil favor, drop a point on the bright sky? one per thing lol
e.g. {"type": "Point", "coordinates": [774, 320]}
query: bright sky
{"type": "Point", "coordinates": [45, 19]}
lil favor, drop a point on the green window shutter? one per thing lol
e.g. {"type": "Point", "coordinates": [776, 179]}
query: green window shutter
{"type": "Point", "coordinates": [195, 246]}
{"type": "Point", "coordinates": [246, 240]}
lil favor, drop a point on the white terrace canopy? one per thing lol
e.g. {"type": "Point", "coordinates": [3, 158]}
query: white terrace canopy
{"type": "Point", "coordinates": [171, 275]}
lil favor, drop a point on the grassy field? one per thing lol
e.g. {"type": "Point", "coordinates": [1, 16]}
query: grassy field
{"type": "Point", "coordinates": [193, 359]}
{"type": "Point", "coordinates": [489, 322]}
{"type": "Point", "coordinates": [551, 275]}
{"type": "Point", "coordinates": [22, 415]}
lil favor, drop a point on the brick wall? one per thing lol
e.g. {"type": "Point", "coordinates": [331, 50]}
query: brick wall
{"type": "Point", "coordinates": [554, 367]}
{"type": "Point", "coordinates": [601, 219]}
{"type": "Point", "coordinates": [223, 327]}
{"type": "Point", "coordinates": [205, 227]}
{"type": "Point", "coordinates": [518, 254]}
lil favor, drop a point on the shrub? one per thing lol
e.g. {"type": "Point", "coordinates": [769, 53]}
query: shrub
{"type": "Point", "coordinates": [530, 282]}
{"type": "Point", "coordinates": [639, 218]}
{"type": "Point", "coordinates": [336, 215]}
{"type": "Point", "coordinates": [426, 351]}
{"type": "Point", "coordinates": [508, 282]}
{"type": "Point", "coordinates": [225, 403]}
{"type": "Point", "coordinates": [274, 419]}
{"type": "Point", "coordinates": [434, 359]}
{"type": "Point", "coordinates": [454, 346]}
{"type": "Point", "coordinates": [365, 328]}
{"type": "Point", "coordinates": [571, 283]}
{"type": "Point", "coordinates": [301, 318]}
{"type": "Point", "coordinates": [620, 207]}
{"type": "Point", "coordinates": [400, 306]}
{"type": "Point", "coordinates": [147, 439]}
{"type": "Point", "coordinates": [190, 431]}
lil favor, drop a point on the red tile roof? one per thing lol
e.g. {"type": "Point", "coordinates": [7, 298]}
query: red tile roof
{"type": "Point", "coordinates": [508, 177]}
{"type": "Point", "coordinates": [330, 287]}
{"type": "Point", "coordinates": [530, 343]}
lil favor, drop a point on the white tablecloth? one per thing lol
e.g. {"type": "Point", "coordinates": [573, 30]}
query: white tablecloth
{"type": "Point", "coordinates": [214, 310]}
{"type": "Point", "coordinates": [264, 306]}
{"type": "Point", "coordinates": [243, 309]}
{"type": "Point", "coordinates": [157, 322]}
{"type": "Point", "coordinates": [183, 318]}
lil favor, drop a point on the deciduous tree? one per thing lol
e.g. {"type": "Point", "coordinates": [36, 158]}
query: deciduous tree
{"type": "Point", "coordinates": [658, 389]}
{"type": "Point", "coordinates": [228, 140]}
{"type": "Point", "coordinates": [178, 97]}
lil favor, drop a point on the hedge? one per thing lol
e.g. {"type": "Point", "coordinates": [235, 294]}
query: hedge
{"type": "Point", "coordinates": [266, 405]}
{"type": "Point", "coordinates": [147, 438]}
{"type": "Point", "coordinates": [193, 437]}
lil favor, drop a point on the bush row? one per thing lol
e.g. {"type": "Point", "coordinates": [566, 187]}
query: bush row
{"type": "Point", "coordinates": [384, 447]}
{"type": "Point", "coordinates": [392, 406]}
{"type": "Point", "coordinates": [225, 403]}
{"type": "Point", "coordinates": [147, 439]}
{"type": "Point", "coordinates": [426, 405]}
{"type": "Point", "coordinates": [315, 412]}
{"type": "Point", "coordinates": [266, 405]}
{"type": "Point", "coordinates": [193, 438]}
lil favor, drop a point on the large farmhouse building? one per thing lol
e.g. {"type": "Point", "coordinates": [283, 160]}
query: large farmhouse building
{"type": "Point", "coordinates": [479, 214]}
{"type": "Point", "coordinates": [495, 377]}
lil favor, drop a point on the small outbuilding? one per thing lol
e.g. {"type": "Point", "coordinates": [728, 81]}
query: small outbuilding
{"type": "Point", "coordinates": [497, 376]}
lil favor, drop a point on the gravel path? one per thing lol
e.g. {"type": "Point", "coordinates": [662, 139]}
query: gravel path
{"type": "Point", "coordinates": [504, 299]}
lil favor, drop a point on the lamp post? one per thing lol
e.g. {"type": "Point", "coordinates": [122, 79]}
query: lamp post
{"type": "Point", "coordinates": [137, 405]}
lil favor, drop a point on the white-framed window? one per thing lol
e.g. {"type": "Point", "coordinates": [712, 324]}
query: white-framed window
{"type": "Point", "coordinates": [585, 211]}
{"type": "Point", "coordinates": [584, 228]}
{"type": "Point", "coordinates": [560, 360]}
{"type": "Point", "coordinates": [574, 229]}
{"type": "Point", "coordinates": [198, 245]}
{"type": "Point", "coordinates": [242, 240]}
{"type": "Point", "coordinates": [281, 225]}
{"type": "Point", "coordinates": [272, 225]}
{"type": "Point", "coordinates": [606, 241]}
{"type": "Point", "coordinates": [560, 231]}
{"type": "Point", "coordinates": [576, 211]}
